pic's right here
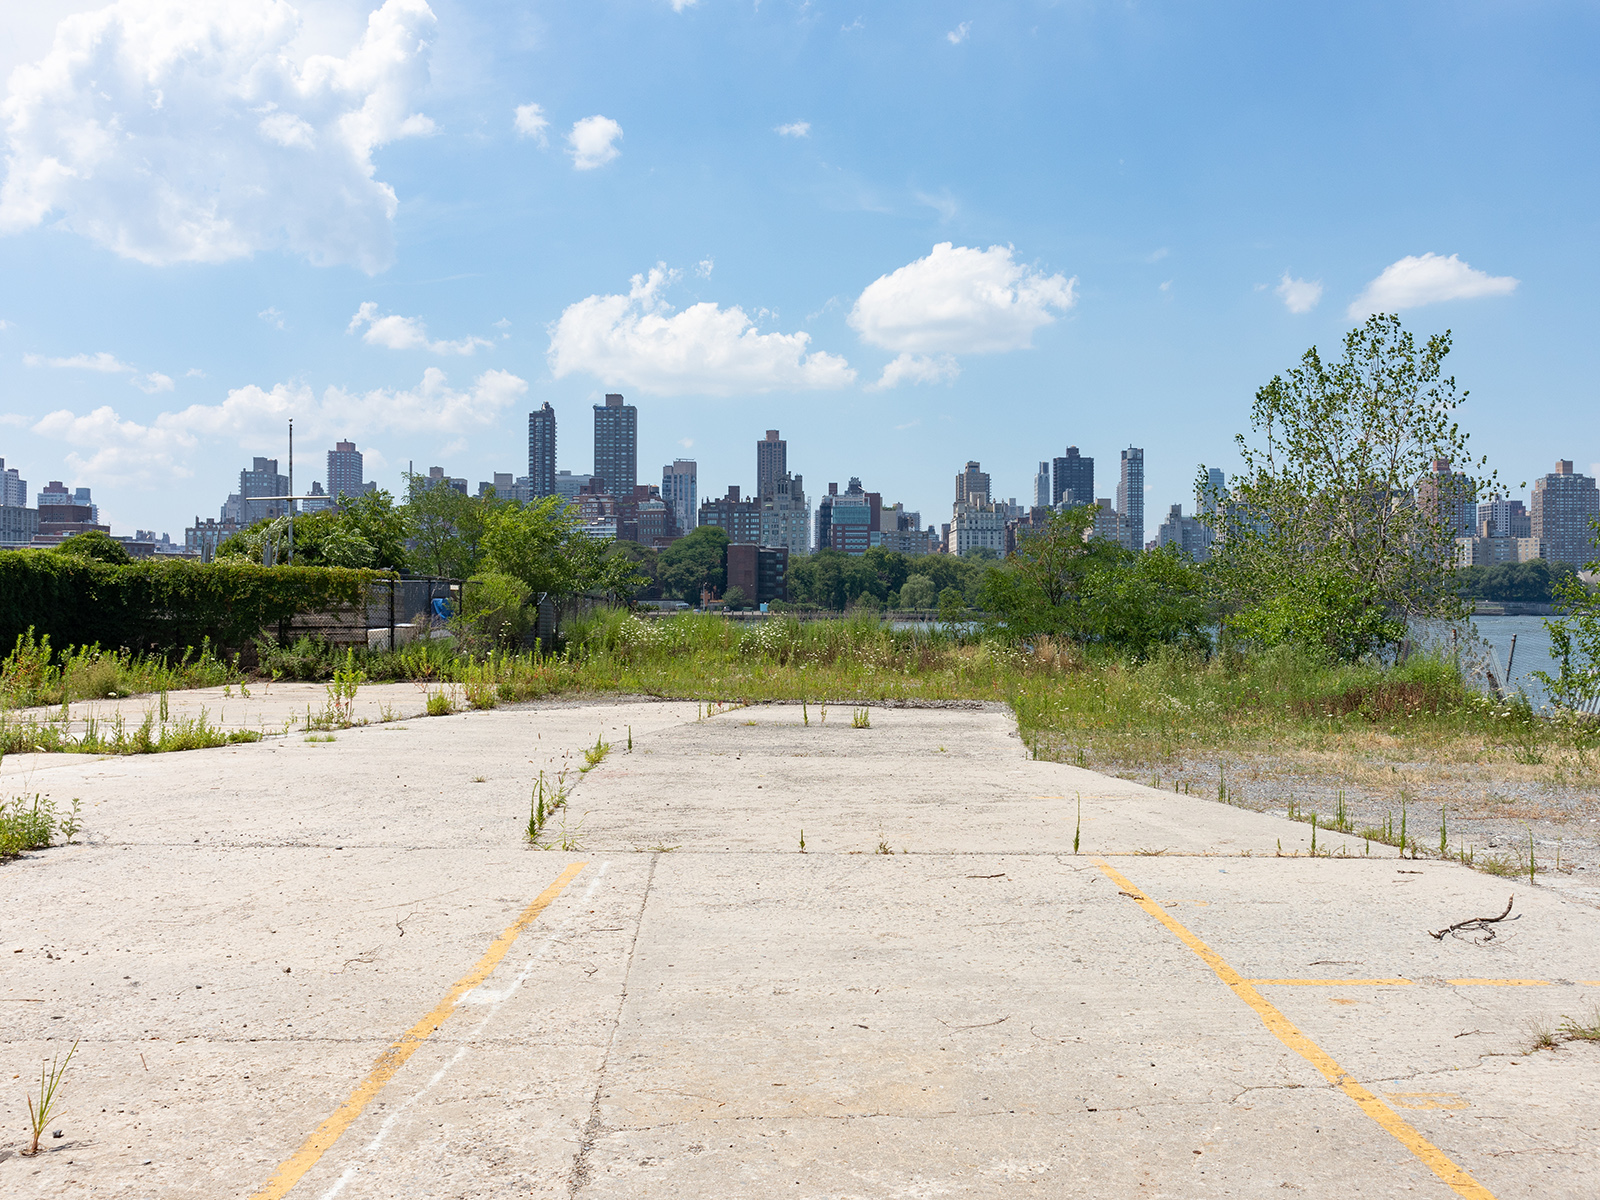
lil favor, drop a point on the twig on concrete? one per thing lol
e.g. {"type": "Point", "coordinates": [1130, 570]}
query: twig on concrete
{"type": "Point", "coordinates": [1482, 923]}
{"type": "Point", "coordinates": [980, 1025]}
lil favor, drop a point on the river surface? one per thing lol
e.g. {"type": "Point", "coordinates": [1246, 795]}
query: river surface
{"type": "Point", "coordinates": [1533, 650]}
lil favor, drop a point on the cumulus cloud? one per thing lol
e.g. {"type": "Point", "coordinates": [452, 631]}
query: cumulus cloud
{"type": "Point", "coordinates": [405, 333]}
{"type": "Point", "coordinates": [638, 341]}
{"type": "Point", "coordinates": [109, 447]}
{"type": "Point", "coordinates": [592, 142]}
{"type": "Point", "coordinates": [959, 34]}
{"type": "Point", "coordinates": [188, 132]}
{"type": "Point", "coordinates": [109, 364]}
{"type": "Point", "coordinates": [795, 129]}
{"type": "Point", "coordinates": [918, 368]}
{"type": "Point", "coordinates": [1299, 295]}
{"type": "Point", "coordinates": [531, 122]}
{"type": "Point", "coordinates": [960, 300]}
{"type": "Point", "coordinates": [1415, 281]}
{"type": "Point", "coordinates": [105, 364]}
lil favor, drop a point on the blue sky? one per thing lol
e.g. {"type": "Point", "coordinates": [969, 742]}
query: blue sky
{"type": "Point", "coordinates": [905, 235]}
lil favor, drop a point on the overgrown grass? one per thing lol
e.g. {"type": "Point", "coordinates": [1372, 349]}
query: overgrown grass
{"type": "Point", "coordinates": [114, 736]}
{"type": "Point", "coordinates": [33, 824]}
{"type": "Point", "coordinates": [34, 673]}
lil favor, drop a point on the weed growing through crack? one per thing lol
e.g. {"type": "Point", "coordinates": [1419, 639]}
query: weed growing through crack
{"type": "Point", "coordinates": [1540, 1036]}
{"type": "Point", "coordinates": [1585, 1030]}
{"type": "Point", "coordinates": [1531, 866]}
{"type": "Point", "coordinates": [25, 826]}
{"type": "Point", "coordinates": [595, 755]}
{"type": "Point", "coordinates": [802, 840]}
{"type": "Point", "coordinates": [321, 737]}
{"type": "Point", "coordinates": [49, 1093]}
{"type": "Point", "coordinates": [546, 800]}
{"type": "Point", "coordinates": [440, 703]}
{"type": "Point", "coordinates": [630, 739]}
{"type": "Point", "coordinates": [861, 718]}
{"type": "Point", "coordinates": [883, 848]}
{"type": "Point", "coordinates": [1444, 835]}
{"type": "Point", "coordinates": [1077, 830]}
{"type": "Point", "coordinates": [805, 714]}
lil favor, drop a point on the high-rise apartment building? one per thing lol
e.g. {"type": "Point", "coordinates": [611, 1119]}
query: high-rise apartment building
{"type": "Point", "coordinates": [13, 488]}
{"type": "Point", "coordinates": [1130, 500]}
{"type": "Point", "coordinates": [260, 480]}
{"type": "Point", "coordinates": [616, 445]}
{"type": "Point", "coordinates": [346, 471]}
{"type": "Point", "coordinates": [1500, 518]}
{"type": "Point", "coordinates": [786, 516]}
{"type": "Point", "coordinates": [1041, 487]}
{"type": "Point", "coordinates": [972, 485]}
{"type": "Point", "coordinates": [1106, 522]}
{"type": "Point", "coordinates": [1564, 504]}
{"type": "Point", "coordinates": [680, 490]}
{"type": "Point", "coordinates": [1450, 497]}
{"type": "Point", "coordinates": [1186, 533]}
{"type": "Point", "coordinates": [1212, 490]}
{"type": "Point", "coordinates": [542, 450]}
{"type": "Point", "coordinates": [824, 521]}
{"type": "Point", "coordinates": [1074, 480]}
{"type": "Point", "coordinates": [772, 464]}
{"type": "Point", "coordinates": [741, 518]}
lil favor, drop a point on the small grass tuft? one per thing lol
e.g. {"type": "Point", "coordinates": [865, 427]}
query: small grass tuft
{"type": "Point", "coordinates": [861, 718]}
{"type": "Point", "coordinates": [49, 1093]}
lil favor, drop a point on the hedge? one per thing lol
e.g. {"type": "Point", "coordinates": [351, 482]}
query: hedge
{"type": "Point", "coordinates": [161, 607]}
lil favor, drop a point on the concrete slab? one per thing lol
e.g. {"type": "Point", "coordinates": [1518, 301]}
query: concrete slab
{"type": "Point", "coordinates": [245, 936]}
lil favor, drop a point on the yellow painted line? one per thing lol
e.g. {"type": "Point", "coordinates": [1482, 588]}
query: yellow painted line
{"type": "Point", "coordinates": [391, 1060]}
{"type": "Point", "coordinates": [1332, 982]}
{"type": "Point", "coordinates": [1499, 982]}
{"type": "Point", "coordinates": [1391, 1122]}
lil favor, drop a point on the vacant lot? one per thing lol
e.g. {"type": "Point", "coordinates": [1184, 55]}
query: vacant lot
{"type": "Point", "coordinates": [764, 951]}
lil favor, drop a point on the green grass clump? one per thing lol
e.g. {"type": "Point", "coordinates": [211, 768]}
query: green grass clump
{"type": "Point", "coordinates": [33, 825]}
{"type": "Point", "coordinates": [35, 674]}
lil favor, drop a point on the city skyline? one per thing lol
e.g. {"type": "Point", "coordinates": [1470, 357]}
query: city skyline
{"type": "Point", "coordinates": [1110, 225]}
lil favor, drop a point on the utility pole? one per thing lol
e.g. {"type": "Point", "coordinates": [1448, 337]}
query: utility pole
{"type": "Point", "coordinates": [290, 556]}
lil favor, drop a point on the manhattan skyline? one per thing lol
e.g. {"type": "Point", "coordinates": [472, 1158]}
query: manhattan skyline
{"type": "Point", "coordinates": [908, 237]}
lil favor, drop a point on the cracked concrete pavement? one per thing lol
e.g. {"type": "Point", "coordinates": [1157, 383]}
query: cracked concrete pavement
{"type": "Point", "coordinates": [242, 937]}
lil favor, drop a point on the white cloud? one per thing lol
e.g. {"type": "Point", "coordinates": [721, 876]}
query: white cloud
{"type": "Point", "coordinates": [959, 34]}
{"type": "Point", "coordinates": [108, 447]}
{"type": "Point", "coordinates": [108, 363]}
{"type": "Point", "coordinates": [918, 368]}
{"type": "Point", "coordinates": [272, 317]}
{"type": "Point", "coordinates": [679, 5]}
{"type": "Point", "coordinates": [1299, 295]}
{"type": "Point", "coordinates": [405, 333]}
{"type": "Point", "coordinates": [188, 132]}
{"type": "Point", "coordinates": [795, 129]}
{"type": "Point", "coordinates": [638, 341]}
{"type": "Point", "coordinates": [687, 443]}
{"type": "Point", "coordinates": [1413, 282]}
{"type": "Point", "coordinates": [704, 268]}
{"type": "Point", "coordinates": [154, 382]}
{"type": "Point", "coordinates": [592, 142]}
{"type": "Point", "coordinates": [531, 122]}
{"type": "Point", "coordinates": [960, 300]}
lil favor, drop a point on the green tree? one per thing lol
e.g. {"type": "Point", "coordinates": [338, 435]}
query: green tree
{"type": "Point", "coordinates": [544, 546]}
{"type": "Point", "coordinates": [696, 561]}
{"type": "Point", "coordinates": [1337, 530]}
{"type": "Point", "coordinates": [447, 528]}
{"type": "Point", "coordinates": [96, 544]}
{"type": "Point", "coordinates": [1575, 640]}
{"type": "Point", "coordinates": [918, 592]}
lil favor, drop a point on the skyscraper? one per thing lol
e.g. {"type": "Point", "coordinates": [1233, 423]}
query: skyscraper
{"type": "Point", "coordinates": [680, 488]}
{"type": "Point", "coordinates": [616, 446]}
{"type": "Point", "coordinates": [13, 488]}
{"type": "Point", "coordinates": [1212, 490]}
{"type": "Point", "coordinates": [1074, 480]}
{"type": "Point", "coordinates": [972, 485]}
{"type": "Point", "coordinates": [261, 479]}
{"type": "Point", "coordinates": [1563, 505]}
{"type": "Point", "coordinates": [1041, 487]}
{"type": "Point", "coordinates": [345, 471]}
{"type": "Point", "coordinates": [542, 450]}
{"type": "Point", "coordinates": [1130, 499]}
{"type": "Point", "coordinates": [772, 464]}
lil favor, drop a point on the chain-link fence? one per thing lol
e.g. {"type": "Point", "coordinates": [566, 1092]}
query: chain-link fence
{"type": "Point", "coordinates": [395, 610]}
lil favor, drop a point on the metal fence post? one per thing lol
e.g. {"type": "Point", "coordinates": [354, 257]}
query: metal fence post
{"type": "Point", "coordinates": [393, 583]}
